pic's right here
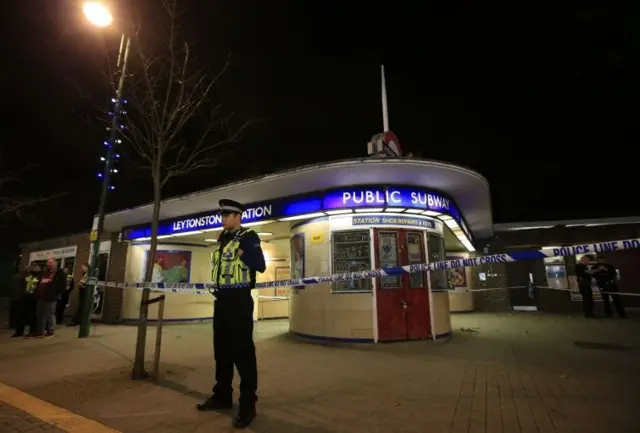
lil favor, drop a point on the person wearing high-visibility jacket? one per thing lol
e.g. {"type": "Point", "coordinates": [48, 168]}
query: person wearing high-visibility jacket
{"type": "Point", "coordinates": [235, 261]}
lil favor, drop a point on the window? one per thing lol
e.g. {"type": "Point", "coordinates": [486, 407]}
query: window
{"type": "Point", "coordinates": [438, 280]}
{"type": "Point", "coordinates": [103, 264]}
{"type": "Point", "coordinates": [414, 255]}
{"type": "Point", "coordinates": [351, 253]}
{"type": "Point", "coordinates": [69, 263]}
{"type": "Point", "coordinates": [388, 254]}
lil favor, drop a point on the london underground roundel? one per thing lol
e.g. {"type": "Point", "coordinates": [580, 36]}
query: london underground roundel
{"type": "Point", "coordinates": [391, 144]}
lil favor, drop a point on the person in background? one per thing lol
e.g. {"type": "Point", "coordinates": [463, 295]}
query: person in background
{"type": "Point", "coordinates": [584, 277]}
{"type": "Point", "coordinates": [17, 298]}
{"type": "Point", "coordinates": [52, 284]}
{"type": "Point", "coordinates": [28, 317]}
{"type": "Point", "coordinates": [64, 298]}
{"type": "Point", "coordinates": [607, 279]}
{"type": "Point", "coordinates": [82, 296]}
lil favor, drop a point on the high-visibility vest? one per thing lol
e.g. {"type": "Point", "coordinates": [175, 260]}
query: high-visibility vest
{"type": "Point", "coordinates": [228, 271]}
{"type": "Point", "coordinates": [32, 284]}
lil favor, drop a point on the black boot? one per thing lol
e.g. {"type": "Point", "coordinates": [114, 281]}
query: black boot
{"type": "Point", "coordinates": [216, 403]}
{"type": "Point", "coordinates": [245, 416]}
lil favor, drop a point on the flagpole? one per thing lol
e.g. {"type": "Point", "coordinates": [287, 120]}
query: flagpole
{"type": "Point", "coordinates": [385, 107]}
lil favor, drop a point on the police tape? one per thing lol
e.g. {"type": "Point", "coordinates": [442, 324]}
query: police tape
{"type": "Point", "coordinates": [493, 259]}
{"type": "Point", "coordinates": [577, 292]}
{"type": "Point", "coordinates": [453, 292]}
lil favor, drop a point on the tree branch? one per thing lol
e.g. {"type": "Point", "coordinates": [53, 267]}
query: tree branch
{"type": "Point", "coordinates": [172, 124]}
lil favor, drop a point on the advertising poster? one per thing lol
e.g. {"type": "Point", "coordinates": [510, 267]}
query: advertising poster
{"type": "Point", "coordinates": [98, 303]}
{"type": "Point", "coordinates": [170, 266]}
{"type": "Point", "coordinates": [297, 258]}
{"type": "Point", "coordinates": [457, 277]}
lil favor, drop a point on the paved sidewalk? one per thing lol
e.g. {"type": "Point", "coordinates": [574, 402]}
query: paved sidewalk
{"type": "Point", "coordinates": [505, 373]}
{"type": "Point", "coordinates": [14, 420]}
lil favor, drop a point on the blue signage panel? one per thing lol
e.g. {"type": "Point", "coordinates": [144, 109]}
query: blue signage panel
{"type": "Point", "coordinates": [391, 197]}
{"type": "Point", "coordinates": [343, 198]}
{"type": "Point", "coordinates": [205, 221]}
{"type": "Point", "coordinates": [354, 198]}
{"type": "Point", "coordinates": [392, 220]}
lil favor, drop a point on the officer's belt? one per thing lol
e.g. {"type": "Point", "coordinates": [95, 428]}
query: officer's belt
{"type": "Point", "coordinates": [231, 289]}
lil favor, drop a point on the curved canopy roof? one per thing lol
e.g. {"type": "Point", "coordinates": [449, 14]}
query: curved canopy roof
{"type": "Point", "coordinates": [467, 188]}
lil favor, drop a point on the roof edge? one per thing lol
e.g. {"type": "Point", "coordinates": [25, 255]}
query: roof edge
{"type": "Point", "coordinates": [366, 160]}
{"type": "Point", "coordinates": [567, 223]}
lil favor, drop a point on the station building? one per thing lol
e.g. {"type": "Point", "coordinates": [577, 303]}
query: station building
{"type": "Point", "coordinates": [316, 220]}
{"type": "Point", "coordinates": [554, 280]}
{"type": "Point", "coordinates": [348, 216]}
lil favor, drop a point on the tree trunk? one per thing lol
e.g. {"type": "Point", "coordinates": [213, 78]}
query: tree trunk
{"type": "Point", "coordinates": [138, 366]}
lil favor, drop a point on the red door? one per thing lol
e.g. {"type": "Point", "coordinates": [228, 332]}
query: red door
{"type": "Point", "coordinates": [416, 288]}
{"type": "Point", "coordinates": [402, 300]}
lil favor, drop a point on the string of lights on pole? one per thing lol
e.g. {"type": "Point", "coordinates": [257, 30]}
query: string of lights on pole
{"type": "Point", "coordinates": [108, 144]}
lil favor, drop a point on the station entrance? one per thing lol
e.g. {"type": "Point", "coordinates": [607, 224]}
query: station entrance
{"type": "Point", "coordinates": [402, 300]}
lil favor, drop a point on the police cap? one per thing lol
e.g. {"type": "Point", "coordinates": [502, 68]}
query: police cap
{"type": "Point", "coordinates": [231, 206]}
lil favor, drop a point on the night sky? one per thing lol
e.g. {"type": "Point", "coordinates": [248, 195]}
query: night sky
{"type": "Point", "coordinates": [541, 100]}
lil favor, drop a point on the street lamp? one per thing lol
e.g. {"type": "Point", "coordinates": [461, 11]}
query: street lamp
{"type": "Point", "coordinates": [99, 15]}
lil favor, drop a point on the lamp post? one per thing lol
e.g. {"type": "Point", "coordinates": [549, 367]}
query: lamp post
{"type": "Point", "coordinates": [99, 15]}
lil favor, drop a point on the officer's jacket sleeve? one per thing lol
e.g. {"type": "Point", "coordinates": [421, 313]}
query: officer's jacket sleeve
{"type": "Point", "coordinates": [252, 255]}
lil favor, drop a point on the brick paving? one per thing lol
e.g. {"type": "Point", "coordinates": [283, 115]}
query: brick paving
{"type": "Point", "coordinates": [14, 420]}
{"type": "Point", "coordinates": [501, 373]}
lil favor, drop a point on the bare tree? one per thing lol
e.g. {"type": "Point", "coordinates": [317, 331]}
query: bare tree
{"type": "Point", "coordinates": [172, 124]}
{"type": "Point", "coordinates": [14, 205]}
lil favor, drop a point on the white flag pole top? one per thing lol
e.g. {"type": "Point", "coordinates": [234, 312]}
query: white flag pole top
{"type": "Point", "coordinates": [513, 256]}
{"type": "Point", "coordinates": [385, 106]}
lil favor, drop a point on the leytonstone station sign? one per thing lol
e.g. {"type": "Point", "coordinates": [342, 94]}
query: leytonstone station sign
{"type": "Point", "coordinates": [362, 198]}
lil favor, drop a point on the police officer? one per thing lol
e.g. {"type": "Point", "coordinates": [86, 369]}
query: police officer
{"type": "Point", "coordinates": [607, 279]}
{"type": "Point", "coordinates": [235, 263]}
{"type": "Point", "coordinates": [584, 277]}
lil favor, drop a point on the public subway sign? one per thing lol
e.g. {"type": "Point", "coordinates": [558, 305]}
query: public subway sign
{"type": "Point", "coordinates": [387, 197]}
{"type": "Point", "coordinates": [374, 197]}
{"type": "Point", "coordinates": [392, 220]}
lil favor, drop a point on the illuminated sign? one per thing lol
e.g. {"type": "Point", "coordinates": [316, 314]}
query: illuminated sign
{"type": "Point", "coordinates": [344, 198]}
{"type": "Point", "coordinates": [386, 197]}
{"type": "Point", "coordinates": [214, 220]}
{"type": "Point", "coordinates": [208, 221]}
{"type": "Point", "coordinates": [392, 220]}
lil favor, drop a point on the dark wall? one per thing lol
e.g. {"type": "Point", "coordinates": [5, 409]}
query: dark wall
{"type": "Point", "coordinates": [8, 267]}
{"type": "Point", "coordinates": [628, 262]}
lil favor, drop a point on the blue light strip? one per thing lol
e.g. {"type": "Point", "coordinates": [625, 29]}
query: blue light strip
{"type": "Point", "coordinates": [515, 256]}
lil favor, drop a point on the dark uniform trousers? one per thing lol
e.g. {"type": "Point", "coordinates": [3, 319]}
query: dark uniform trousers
{"type": "Point", "coordinates": [26, 315]}
{"type": "Point", "coordinates": [587, 297]}
{"type": "Point", "coordinates": [233, 345]}
{"type": "Point", "coordinates": [611, 287]}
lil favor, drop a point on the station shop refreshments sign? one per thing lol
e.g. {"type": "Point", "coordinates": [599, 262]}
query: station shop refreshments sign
{"type": "Point", "coordinates": [392, 220]}
{"type": "Point", "coordinates": [374, 197]}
